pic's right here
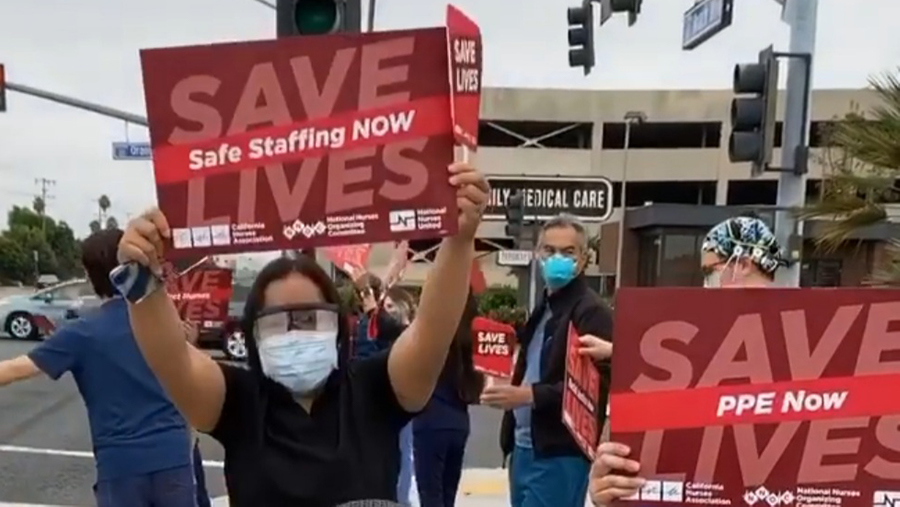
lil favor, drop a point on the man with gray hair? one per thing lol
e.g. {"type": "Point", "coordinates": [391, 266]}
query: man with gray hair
{"type": "Point", "coordinates": [547, 468]}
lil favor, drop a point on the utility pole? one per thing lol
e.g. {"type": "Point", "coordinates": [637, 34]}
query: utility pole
{"type": "Point", "coordinates": [45, 184]}
{"type": "Point", "coordinates": [631, 118]}
{"type": "Point", "coordinates": [801, 16]}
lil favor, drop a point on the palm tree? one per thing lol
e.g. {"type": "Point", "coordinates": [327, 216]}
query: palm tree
{"type": "Point", "coordinates": [39, 206]}
{"type": "Point", "coordinates": [865, 168]}
{"type": "Point", "coordinates": [103, 203]}
{"type": "Point", "coordinates": [112, 223]}
{"type": "Point", "coordinates": [95, 226]}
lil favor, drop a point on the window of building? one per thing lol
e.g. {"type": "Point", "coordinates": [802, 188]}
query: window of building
{"type": "Point", "coordinates": [663, 135]}
{"type": "Point", "coordinates": [648, 259]}
{"type": "Point", "coordinates": [535, 134]}
{"type": "Point", "coordinates": [752, 192]}
{"type": "Point", "coordinates": [603, 285]}
{"type": "Point", "coordinates": [679, 265]}
{"type": "Point", "coordinates": [820, 273]}
{"type": "Point", "coordinates": [639, 193]}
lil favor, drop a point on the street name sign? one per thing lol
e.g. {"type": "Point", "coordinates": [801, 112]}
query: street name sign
{"type": "Point", "coordinates": [131, 151]}
{"type": "Point", "coordinates": [705, 19]}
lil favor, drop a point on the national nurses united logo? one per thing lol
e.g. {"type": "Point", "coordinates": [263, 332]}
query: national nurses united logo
{"type": "Point", "coordinates": [761, 495]}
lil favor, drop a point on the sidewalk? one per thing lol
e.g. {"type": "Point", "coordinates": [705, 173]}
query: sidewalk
{"type": "Point", "coordinates": [479, 487]}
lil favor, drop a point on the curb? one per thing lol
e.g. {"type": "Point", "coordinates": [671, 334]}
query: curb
{"type": "Point", "coordinates": [484, 482]}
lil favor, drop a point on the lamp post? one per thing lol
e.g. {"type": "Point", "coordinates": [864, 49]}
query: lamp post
{"type": "Point", "coordinates": [631, 118]}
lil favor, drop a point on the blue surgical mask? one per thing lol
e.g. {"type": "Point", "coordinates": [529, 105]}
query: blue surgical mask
{"type": "Point", "coordinates": [299, 360]}
{"type": "Point", "coordinates": [558, 271]}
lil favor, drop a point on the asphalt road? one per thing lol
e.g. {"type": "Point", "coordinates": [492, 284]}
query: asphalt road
{"type": "Point", "coordinates": [45, 442]}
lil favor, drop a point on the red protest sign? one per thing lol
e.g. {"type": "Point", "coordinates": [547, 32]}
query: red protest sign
{"type": "Point", "coordinates": [581, 396]}
{"type": "Point", "coordinates": [351, 259]}
{"type": "Point", "coordinates": [759, 396]}
{"type": "Point", "coordinates": [465, 62]}
{"type": "Point", "coordinates": [302, 142]}
{"type": "Point", "coordinates": [201, 294]}
{"type": "Point", "coordinates": [493, 347]}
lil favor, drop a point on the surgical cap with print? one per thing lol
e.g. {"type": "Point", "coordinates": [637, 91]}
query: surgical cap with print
{"type": "Point", "coordinates": [745, 238]}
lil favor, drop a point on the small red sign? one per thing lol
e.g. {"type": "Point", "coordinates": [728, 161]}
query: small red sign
{"type": "Point", "coordinates": [465, 63]}
{"type": "Point", "coordinates": [581, 396]}
{"type": "Point", "coordinates": [201, 294]}
{"type": "Point", "coordinates": [351, 259]}
{"type": "Point", "coordinates": [760, 397]}
{"type": "Point", "coordinates": [303, 142]}
{"type": "Point", "coordinates": [493, 347]}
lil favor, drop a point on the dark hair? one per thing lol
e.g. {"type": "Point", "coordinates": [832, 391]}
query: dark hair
{"type": "Point", "coordinates": [469, 382]}
{"type": "Point", "coordinates": [280, 269]}
{"type": "Point", "coordinates": [370, 281]}
{"type": "Point", "coordinates": [99, 257]}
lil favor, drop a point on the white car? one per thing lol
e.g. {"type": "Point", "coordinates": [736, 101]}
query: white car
{"type": "Point", "coordinates": [20, 315]}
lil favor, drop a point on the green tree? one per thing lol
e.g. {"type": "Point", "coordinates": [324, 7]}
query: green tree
{"type": "Point", "coordinates": [39, 206]}
{"type": "Point", "coordinates": [57, 249]}
{"type": "Point", "coordinates": [15, 263]}
{"type": "Point", "coordinates": [111, 223]}
{"type": "Point", "coordinates": [95, 226]}
{"type": "Point", "coordinates": [864, 164]}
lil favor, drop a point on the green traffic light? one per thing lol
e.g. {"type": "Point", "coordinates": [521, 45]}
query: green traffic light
{"type": "Point", "coordinates": [316, 17]}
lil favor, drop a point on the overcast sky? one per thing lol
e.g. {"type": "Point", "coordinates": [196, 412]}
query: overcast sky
{"type": "Point", "coordinates": [89, 49]}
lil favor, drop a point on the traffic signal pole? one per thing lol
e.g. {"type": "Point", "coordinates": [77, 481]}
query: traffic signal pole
{"type": "Point", "coordinates": [801, 16]}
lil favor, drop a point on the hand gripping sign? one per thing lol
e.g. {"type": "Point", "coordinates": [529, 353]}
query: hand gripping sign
{"type": "Point", "coordinates": [759, 396]}
{"type": "Point", "coordinates": [493, 347]}
{"type": "Point", "coordinates": [581, 396]}
{"type": "Point", "coordinates": [307, 141]}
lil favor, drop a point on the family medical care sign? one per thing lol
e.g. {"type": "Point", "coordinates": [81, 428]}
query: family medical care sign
{"type": "Point", "coordinates": [759, 397]}
{"type": "Point", "coordinates": [311, 141]}
{"type": "Point", "coordinates": [590, 199]}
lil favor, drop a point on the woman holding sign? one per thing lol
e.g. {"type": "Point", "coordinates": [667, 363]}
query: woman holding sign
{"type": "Point", "coordinates": [303, 425]}
{"type": "Point", "coordinates": [740, 252]}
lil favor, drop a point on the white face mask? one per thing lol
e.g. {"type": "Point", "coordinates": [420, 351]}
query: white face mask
{"type": "Point", "coordinates": [299, 360]}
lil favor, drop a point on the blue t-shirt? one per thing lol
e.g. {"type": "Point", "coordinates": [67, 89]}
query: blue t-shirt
{"type": "Point", "coordinates": [135, 429]}
{"type": "Point", "coordinates": [532, 376]}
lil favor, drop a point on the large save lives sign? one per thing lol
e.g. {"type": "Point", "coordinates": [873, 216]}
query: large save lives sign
{"type": "Point", "coordinates": [310, 141]}
{"type": "Point", "coordinates": [778, 397]}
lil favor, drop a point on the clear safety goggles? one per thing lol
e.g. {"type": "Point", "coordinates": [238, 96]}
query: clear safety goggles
{"type": "Point", "coordinates": [276, 321]}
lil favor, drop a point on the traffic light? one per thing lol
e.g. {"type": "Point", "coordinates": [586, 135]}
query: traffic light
{"type": "Point", "coordinates": [753, 117]}
{"type": "Point", "coordinates": [318, 17]}
{"type": "Point", "coordinates": [2, 88]}
{"type": "Point", "coordinates": [581, 36]}
{"type": "Point", "coordinates": [608, 7]}
{"type": "Point", "coordinates": [515, 215]}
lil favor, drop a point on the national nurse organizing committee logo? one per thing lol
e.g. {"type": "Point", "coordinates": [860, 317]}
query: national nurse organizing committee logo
{"type": "Point", "coordinates": [299, 228]}
{"type": "Point", "coordinates": [766, 497]}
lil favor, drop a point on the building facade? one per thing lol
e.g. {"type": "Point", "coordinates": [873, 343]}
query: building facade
{"type": "Point", "coordinates": [568, 150]}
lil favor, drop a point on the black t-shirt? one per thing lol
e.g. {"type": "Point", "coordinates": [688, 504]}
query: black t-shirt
{"type": "Point", "coordinates": [346, 448]}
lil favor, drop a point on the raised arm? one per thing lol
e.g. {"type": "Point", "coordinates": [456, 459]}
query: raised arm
{"type": "Point", "coordinates": [16, 369]}
{"type": "Point", "coordinates": [418, 356]}
{"type": "Point", "coordinates": [193, 381]}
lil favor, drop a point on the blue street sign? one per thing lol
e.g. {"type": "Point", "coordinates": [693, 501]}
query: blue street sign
{"type": "Point", "coordinates": [131, 151]}
{"type": "Point", "coordinates": [705, 19]}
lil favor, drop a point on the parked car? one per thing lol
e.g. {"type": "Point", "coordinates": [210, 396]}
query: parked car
{"type": "Point", "coordinates": [227, 336]}
{"type": "Point", "coordinates": [20, 315]}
